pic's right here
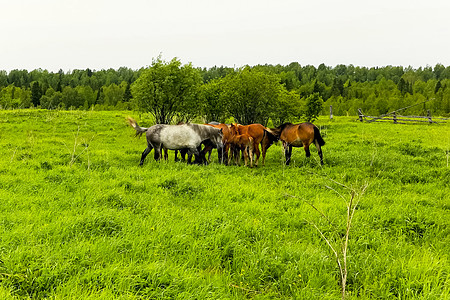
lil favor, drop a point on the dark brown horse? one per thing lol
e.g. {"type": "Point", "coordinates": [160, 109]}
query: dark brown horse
{"type": "Point", "coordinates": [259, 134]}
{"type": "Point", "coordinates": [299, 135]}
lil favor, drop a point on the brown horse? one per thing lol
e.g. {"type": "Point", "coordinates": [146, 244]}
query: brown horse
{"type": "Point", "coordinates": [259, 134]}
{"type": "Point", "coordinates": [243, 143]}
{"type": "Point", "coordinates": [299, 135]}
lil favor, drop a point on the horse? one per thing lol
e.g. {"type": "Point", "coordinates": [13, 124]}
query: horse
{"type": "Point", "coordinates": [222, 153]}
{"type": "Point", "coordinates": [259, 134]}
{"type": "Point", "coordinates": [242, 142]}
{"type": "Point", "coordinates": [298, 135]}
{"type": "Point", "coordinates": [176, 137]}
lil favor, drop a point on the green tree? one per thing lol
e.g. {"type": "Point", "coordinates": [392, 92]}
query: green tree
{"type": "Point", "coordinates": [251, 96]}
{"type": "Point", "coordinates": [127, 94]}
{"type": "Point", "coordinates": [52, 99]}
{"type": "Point", "coordinates": [288, 107]}
{"type": "Point", "coordinates": [314, 104]}
{"type": "Point", "coordinates": [71, 98]}
{"type": "Point", "coordinates": [214, 108]}
{"type": "Point", "coordinates": [168, 89]}
{"type": "Point", "coordinates": [113, 94]}
{"type": "Point", "coordinates": [10, 97]}
{"type": "Point", "coordinates": [87, 94]}
{"type": "Point", "coordinates": [36, 93]}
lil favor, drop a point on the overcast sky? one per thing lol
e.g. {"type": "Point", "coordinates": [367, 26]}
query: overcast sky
{"type": "Point", "coordinates": [102, 34]}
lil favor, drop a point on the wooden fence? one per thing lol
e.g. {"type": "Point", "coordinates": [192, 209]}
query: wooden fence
{"type": "Point", "coordinates": [400, 119]}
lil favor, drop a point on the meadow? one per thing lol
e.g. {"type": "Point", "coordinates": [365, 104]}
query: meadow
{"type": "Point", "coordinates": [79, 219]}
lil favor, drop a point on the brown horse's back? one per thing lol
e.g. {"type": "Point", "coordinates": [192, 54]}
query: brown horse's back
{"type": "Point", "coordinates": [256, 131]}
{"type": "Point", "coordinates": [298, 135]}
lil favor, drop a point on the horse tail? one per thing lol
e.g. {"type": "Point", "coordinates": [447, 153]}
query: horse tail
{"type": "Point", "coordinates": [318, 137]}
{"type": "Point", "coordinates": [271, 134]}
{"type": "Point", "coordinates": [139, 130]}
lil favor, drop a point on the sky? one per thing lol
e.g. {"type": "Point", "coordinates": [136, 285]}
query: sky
{"type": "Point", "coordinates": [103, 34]}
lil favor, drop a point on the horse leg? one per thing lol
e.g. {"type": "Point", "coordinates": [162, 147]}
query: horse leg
{"type": "Point", "coordinates": [264, 147]}
{"type": "Point", "coordinates": [257, 152]}
{"type": "Point", "coordinates": [287, 153]}
{"type": "Point", "coordinates": [192, 151]}
{"type": "Point", "coordinates": [209, 155]}
{"type": "Point", "coordinates": [235, 154]}
{"type": "Point", "coordinates": [244, 151]}
{"type": "Point", "coordinates": [237, 157]}
{"type": "Point", "coordinates": [183, 154]}
{"type": "Point", "coordinates": [145, 153]}
{"type": "Point", "coordinates": [225, 154]}
{"type": "Point", "coordinates": [308, 153]}
{"type": "Point", "coordinates": [202, 155]}
{"type": "Point", "coordinates": [250, 153]}
{"type": "Point", "coordinates": [207, 149]}
{"type": "Point", "coordinates": [319, 150]}
{"type": "Point", "coordinates": [157, 154]}
{"type": "Point", "coordinates": [166, 153]}
{"type": "Point", "coordinates": [220, 155]}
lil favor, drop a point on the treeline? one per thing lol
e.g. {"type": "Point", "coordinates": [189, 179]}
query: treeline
{"type": "Point", "coordinates": [376, 90]}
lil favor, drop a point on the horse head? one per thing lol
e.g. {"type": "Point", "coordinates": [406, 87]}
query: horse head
{"type": "Point", "coordinates": [234, 129]}
{"type": "Point", "coordinates": [218, 138]}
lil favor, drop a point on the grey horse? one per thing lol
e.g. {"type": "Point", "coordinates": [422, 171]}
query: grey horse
{"type": "Point", "coordinates": [177, 137]}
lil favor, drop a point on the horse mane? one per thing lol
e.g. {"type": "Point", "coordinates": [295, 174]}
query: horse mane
{"type": "Point", "coordinates": [277, 130]}
{"type": "Point", "coordinates": [205, 128]}
{"type": "Point", "coordinates": [284, 125]}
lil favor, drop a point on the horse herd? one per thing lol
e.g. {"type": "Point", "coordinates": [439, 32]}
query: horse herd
{"type": "Point", "coordinates": [229, 139]}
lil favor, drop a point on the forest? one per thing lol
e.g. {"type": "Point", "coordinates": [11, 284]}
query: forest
{"type": "Point", "coordinates": [376, 90]}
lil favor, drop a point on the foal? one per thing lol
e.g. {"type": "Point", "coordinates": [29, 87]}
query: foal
{"type": "Point", "coordinates": [243, 143]}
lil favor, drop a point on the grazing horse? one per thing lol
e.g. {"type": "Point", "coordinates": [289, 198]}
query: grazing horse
{"type": "Point", "coordinates": [244, 143]}
{"type": "Point", "coordinates": [176, 137]}
{"type": "Point", "coordinates": [259, 134]}
{"type": "Point", "coordinates": [298, 135]}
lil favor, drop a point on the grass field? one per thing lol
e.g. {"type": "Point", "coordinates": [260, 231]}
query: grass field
{"type": "Point", "coordinates": [80, 220]}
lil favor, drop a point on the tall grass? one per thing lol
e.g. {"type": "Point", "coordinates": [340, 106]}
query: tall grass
{"type": "Point", "coordinates": [80, 219]}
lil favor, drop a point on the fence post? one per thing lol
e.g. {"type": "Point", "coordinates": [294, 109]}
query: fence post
{"type": "Point", "coordinates": [429, 116]}
{"type": "Point", "coordinates": [331, 112]}
{"type": "Point", "coordinates": [394, 114]}
{"type": "Point", "coordinates": [360, 114]}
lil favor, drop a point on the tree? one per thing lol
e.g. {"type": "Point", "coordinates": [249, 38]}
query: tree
{"type": "Point", "coordinates": [127, 94]}
{"type": "Point", "coordinates": [313, 107]}
{"type": "Point", "coordinates": [87, 94]}
{"type": "Point", "coordinates": [288, 107]}
{"type": "Point", "coordinates": [36, 93]}
{"type": "Point", "coordinates": [168, 89]}
{"type": "Point", "coordinates": [214, 109]}
{"type": "Point", "coordinates": [71, 98]}
{"type": "Point", "coordinates": [9, 97]}
{"type": "Point", "coordinates": [251, 96]}
{"type": "Point", "coordinates": [52, 99]}
{"type": "Point", "coordinates": [113, 94]}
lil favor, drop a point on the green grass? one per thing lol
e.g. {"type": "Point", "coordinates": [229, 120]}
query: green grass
{"type": "Point", "coordinates": [80, 219]}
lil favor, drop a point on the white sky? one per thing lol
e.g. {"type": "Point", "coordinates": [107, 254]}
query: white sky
{"type": "Point", "coordinates": [102, 34]}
